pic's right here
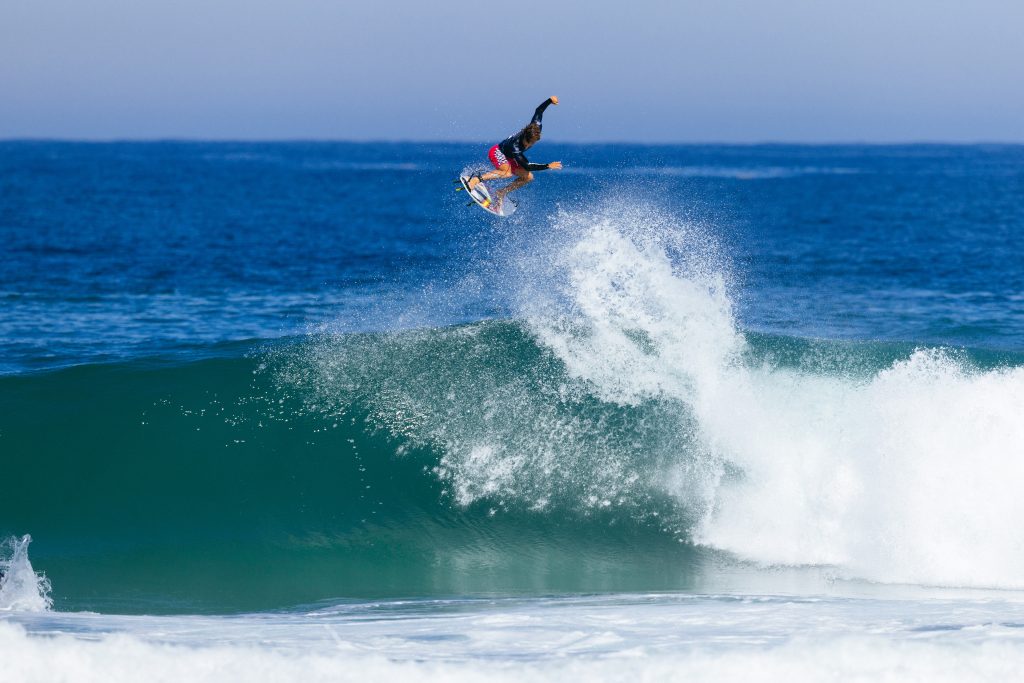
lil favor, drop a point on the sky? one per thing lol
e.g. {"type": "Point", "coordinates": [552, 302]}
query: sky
{"type": "Point", "coordinates": [635, 70]}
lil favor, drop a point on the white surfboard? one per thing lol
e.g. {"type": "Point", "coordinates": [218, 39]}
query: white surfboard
{"type": "Point", "coordinates": [482, 196]}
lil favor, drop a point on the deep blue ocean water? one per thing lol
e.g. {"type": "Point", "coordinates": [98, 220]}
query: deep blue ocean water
{"type": "Point", "coordinates": [123, 250]}
{"type": "Point", "coordinates": [303, 389]}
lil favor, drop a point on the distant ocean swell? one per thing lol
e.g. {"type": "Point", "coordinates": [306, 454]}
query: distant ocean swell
{"type": "Point", "coordinates": [619, 429]}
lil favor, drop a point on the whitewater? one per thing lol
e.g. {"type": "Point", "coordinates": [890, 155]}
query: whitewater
{"type": "Point", "coordinates": [603, 470]}
{"type": "Point", "coordinates": [900, 471]}
{"type": "Point", "coordinates": [904, 474]}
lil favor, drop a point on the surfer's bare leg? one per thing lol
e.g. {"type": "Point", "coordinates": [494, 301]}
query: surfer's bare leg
{"type": "Point", "coordinates": [525, 177]}
{"type": "Point", "coordinates": [504, 172]}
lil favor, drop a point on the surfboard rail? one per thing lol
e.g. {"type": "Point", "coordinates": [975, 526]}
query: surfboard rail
{"type": "Point", "coordinates": [481, 196]}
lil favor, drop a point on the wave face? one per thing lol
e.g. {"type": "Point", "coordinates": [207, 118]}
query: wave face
{"type": "Point", "coordinates": [152, 487]}
{"type": "Point", "coordinates": [633, 383]}
{"type": "Point", "coordinates": [620, 433]}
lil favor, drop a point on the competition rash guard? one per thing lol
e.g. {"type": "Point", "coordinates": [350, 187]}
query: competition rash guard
{"type": "Point", "coordinates": [512, 147]}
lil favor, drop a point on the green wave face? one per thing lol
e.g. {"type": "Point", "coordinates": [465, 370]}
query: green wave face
{"type": "Point", "coordinates": [463, 460]}
{"type": "Point", "coordinates": [238, 483]}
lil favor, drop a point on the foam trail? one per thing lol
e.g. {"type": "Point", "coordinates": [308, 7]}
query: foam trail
{"type": "Point", "coordinates": [120, 657]}
{"type": "Point", "coordinates": [648, 637]}
{"type": "Point", "coordinates": [21, 588]}
{"type": "Point", "coordinates": [910, 474]}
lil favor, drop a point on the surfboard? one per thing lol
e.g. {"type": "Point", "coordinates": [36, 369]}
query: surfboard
{"type": "Point", "coordinates": [481, 196]}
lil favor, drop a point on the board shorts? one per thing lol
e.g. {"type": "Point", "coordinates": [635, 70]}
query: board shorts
{"type": "Point", "coordinates": [499, 159]}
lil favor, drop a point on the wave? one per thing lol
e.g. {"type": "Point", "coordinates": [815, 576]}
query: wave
{"type": "Point", "coordinates": [156, 486]}
{"type": "Point", "coordinates": [633, 388]}
{"type": "Point", "coordinates": [620, 433]}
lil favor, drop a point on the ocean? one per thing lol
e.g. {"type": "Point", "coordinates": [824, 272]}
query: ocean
{"type": "Point", "coordinates": [293, 411]}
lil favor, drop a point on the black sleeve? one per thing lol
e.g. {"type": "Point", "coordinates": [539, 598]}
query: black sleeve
{"type": "Point", "coordinates": [525, 163]}
{"type": "Point", "coordinates": [539, 113]}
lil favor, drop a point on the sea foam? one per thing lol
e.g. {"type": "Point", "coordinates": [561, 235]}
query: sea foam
{"type": "Point", "coordinates": [21, 588]}
{"type": "Point", "coordinates": [611, 638]}
{"type": "Point", "coordinates": [909, 473]}
{"type": "Point", "coordinates": [627, 380]}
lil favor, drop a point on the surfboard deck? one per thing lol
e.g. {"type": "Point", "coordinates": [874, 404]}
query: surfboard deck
{"type": "Point", "coordinates": [481, 196]}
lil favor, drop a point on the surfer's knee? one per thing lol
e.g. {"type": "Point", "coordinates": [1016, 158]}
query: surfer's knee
{"type": "Point", "coordinates": [528, 177]}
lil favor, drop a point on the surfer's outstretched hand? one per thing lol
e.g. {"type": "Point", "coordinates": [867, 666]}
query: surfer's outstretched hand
{"type": "Point", "coordinates": [555, 165]}
{"type": "Point", "coordinates": [554, 100]}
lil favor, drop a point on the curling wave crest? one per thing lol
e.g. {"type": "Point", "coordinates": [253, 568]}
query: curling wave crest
{"type": "Point", "coordinates": [632, 383]}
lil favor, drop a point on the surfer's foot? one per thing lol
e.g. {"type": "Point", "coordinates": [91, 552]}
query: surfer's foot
{"type": "Point", "coordinates": [473, 182]}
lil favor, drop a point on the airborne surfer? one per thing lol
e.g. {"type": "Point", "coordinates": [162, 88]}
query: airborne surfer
{"type": "Point", "coordinates": [509, 159]}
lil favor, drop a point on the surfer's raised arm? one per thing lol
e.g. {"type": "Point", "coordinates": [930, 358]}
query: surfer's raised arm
{"type": "Point", "coordinates": [539, 113]}
{"type": "Point", "coordinates": [526, 138]}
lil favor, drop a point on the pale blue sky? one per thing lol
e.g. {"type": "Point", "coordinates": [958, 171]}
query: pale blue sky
{"type": "Point", "coordinates": [642, 70]}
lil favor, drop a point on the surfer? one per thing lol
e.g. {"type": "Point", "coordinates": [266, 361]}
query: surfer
{"type": "Point", "coordinates": [508, 158]}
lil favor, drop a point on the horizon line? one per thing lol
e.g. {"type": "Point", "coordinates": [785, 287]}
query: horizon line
{"type": "Point", "coordinates": [573, 143]}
